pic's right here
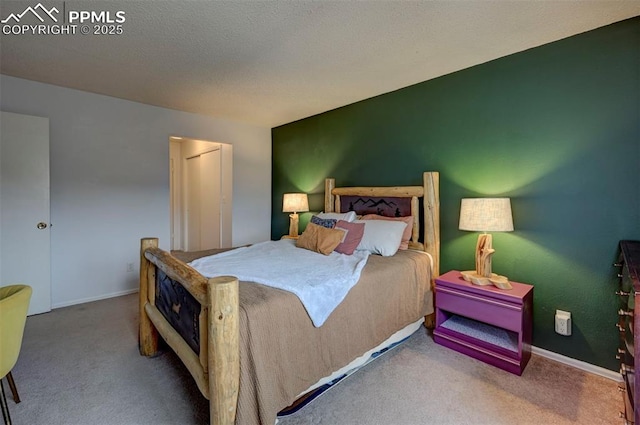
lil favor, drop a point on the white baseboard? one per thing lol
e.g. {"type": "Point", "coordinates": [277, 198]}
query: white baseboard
{"type": "Point", "coordinates": [91, 299]}
{"type": "Point", "coordinates": [578, 364]}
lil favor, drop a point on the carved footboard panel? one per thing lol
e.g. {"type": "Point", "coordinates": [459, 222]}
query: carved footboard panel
{"type": "Point", "coordinates": [198, 318]}
{"type": "Point", "coordinates": [179, 308]}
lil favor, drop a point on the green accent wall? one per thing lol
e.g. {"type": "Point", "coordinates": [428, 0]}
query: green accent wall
{"type": "Point", "coordinates": [555, 128]}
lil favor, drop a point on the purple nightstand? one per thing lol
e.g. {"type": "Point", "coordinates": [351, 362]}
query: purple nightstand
{"type": "Point", "coordinates": [484, 322]}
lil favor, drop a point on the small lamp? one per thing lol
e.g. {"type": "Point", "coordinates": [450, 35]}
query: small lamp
{"type": "Point", "coordinates": [294, 203]}
{"type": "Point", "coordinates": [485, 215]}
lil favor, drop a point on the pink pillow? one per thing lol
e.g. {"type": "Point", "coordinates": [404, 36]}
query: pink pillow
{"type": "Point", "coordinates": [408, 231]}
{"type": "Point", "coordinates": [353, 236]}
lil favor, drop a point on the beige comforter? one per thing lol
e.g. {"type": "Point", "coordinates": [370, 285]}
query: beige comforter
{"type": "Point", "coordinates": [282, 353]}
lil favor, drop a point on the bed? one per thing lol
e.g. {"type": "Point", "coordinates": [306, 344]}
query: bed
{"type": "Point", "coordinates": [252, 349]}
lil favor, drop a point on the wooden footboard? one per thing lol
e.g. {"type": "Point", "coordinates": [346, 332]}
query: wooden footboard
{"type": "Point", "coordinates": [212, 356]}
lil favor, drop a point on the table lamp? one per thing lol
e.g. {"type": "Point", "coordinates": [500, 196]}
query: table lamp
{"type": "Point", "coordinates": [294, 203]}
{"type": "Point", "coordinates": [485, 215]}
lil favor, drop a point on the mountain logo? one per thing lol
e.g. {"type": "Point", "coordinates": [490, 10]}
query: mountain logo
{"type": "Point", "coordinates": [43, 11]}
{"type": "Point", "coordinates": [374, 202]}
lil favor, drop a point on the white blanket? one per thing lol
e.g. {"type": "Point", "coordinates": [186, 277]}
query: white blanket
{"type": "Point", "coordinates": [320, 281]}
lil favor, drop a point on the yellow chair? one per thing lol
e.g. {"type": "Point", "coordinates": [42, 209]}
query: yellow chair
{"type": "Point", "coordinates": [14, 304]}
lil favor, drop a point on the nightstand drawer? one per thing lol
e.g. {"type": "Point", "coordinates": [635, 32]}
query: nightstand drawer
{"type": "Point", "coordinates": [488, 310]}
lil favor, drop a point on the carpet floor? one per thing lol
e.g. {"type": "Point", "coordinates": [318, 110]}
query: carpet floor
{"type": "Point", "coordinates": [80, 365]}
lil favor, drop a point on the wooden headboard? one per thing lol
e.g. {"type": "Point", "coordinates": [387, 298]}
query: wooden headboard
{"type": "Point", "coordinates": [429, 192]}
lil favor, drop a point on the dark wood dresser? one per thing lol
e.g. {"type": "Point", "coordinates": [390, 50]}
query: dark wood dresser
{"type": "Point", "coordinates": [629, 327]}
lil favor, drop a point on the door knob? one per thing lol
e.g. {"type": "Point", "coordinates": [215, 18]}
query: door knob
{"type": "Point", "coordinates": [42, 225]}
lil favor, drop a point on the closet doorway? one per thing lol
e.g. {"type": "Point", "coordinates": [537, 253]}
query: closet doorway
{"type": "Point", "coordinates": [200, 194]}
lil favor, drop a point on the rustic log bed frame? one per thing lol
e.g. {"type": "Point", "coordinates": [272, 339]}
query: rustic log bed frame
{"type": "Point", "coordinates": [216, 367]}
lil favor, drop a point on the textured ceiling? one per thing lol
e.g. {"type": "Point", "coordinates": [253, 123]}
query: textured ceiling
{"type": "Point", "coordinates": [273, 62]}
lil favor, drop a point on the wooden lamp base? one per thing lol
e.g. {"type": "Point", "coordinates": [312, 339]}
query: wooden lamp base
{"type": "Point", "coordinates": [293, 225]}
{"type": "Point", "coordinates": [482, 274]}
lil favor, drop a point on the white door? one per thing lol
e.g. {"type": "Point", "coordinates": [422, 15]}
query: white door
{"type": "Point", "coordinates": [210, 200]}
{"type": "Point", "coordinates": [203, 201]}
{"type": "Point", "coordinates": [24, 206]}
{"type": "Point", "coordinates": [175, 193]}
{"type": "Point", "coordinates": [192, 210]}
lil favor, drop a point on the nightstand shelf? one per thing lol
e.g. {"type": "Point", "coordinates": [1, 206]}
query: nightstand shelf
{"type": "Point", "coordinates": [484, 322]}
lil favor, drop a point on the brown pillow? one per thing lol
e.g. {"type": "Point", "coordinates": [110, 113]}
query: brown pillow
{"type": "Point", "coordinates": [329, 239]}
{"type": "Point", "coordinates": [320, 239]}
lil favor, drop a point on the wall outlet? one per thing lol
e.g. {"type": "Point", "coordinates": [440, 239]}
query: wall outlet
{"type": "Point", "coordinates": [563, 322]}
{"type": "Point", "coordinates": [129, 267]}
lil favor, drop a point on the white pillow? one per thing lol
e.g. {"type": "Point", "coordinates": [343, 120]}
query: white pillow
{"type": "Point", "coordinates": [348, 216]}
{"type": "Point", "coordinates": [381, 236]}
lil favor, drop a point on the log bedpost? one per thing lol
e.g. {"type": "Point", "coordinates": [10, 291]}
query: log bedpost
{"type": "Point", "coordinates": [431, 182]}
{"type": "Point", "coordinates": [224, 350]}
{"type": "Point", "coordinates": [329, 185]}
{"type": "Point", "coordinates": [148, 335]}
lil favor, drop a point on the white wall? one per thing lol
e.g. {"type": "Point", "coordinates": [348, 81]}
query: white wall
{"type": "Point", "coordinates": [110, 181]}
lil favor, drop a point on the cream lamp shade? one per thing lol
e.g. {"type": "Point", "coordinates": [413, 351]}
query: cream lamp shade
{"type": "Point", "coordinates": [485, 215]}
{"type": "Point", "coordinates": [294, 203]}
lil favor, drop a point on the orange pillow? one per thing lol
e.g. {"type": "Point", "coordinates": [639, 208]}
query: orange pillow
{"type": "Point", "coordinates": [320, 239]}
{"type": "Point", "coordinates": [408, 231]}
